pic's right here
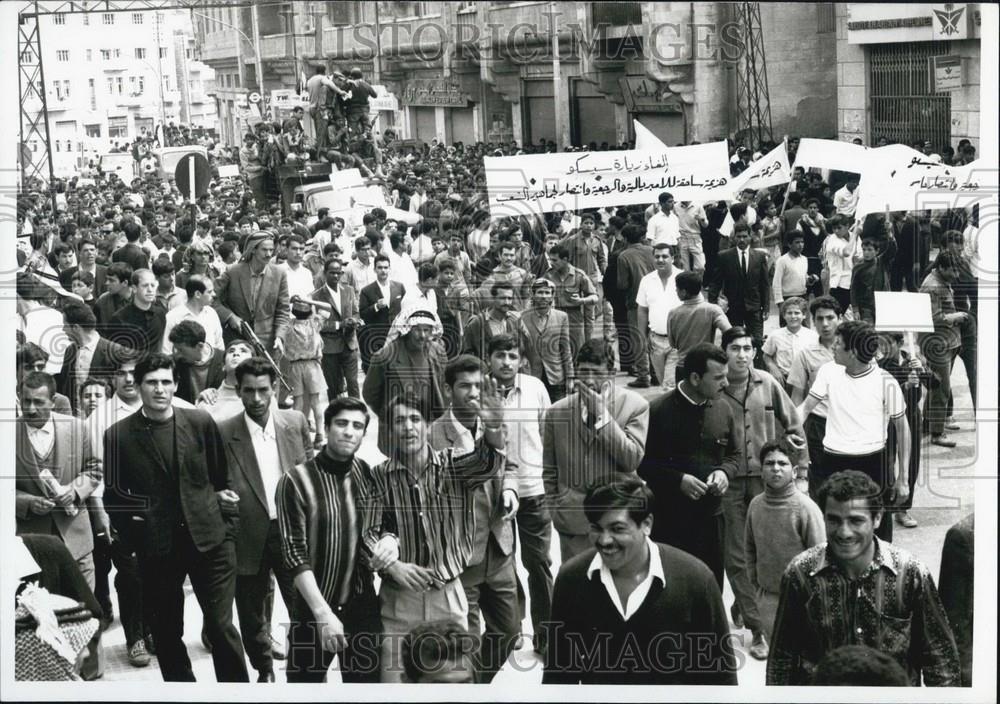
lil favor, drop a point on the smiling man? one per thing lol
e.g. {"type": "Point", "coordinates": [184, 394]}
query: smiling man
{"type": "Point", "coordinates": [857, 589]}
{"type": "Point", "coordinates": [631, 611]}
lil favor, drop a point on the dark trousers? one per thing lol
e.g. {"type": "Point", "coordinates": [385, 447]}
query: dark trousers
{"type": "Point", "coordinates": [491, 588]}
{"type": "Point", "coordinates": [556, 391]}
{"type": "Point", "coordinates": [359, 662]}
{"type": "Point", "coordinates": [320, 123]}
{"type": "Point", "coordinates": [698, 535]}
{"type": "Point", "coordinates": [969, 352]}
{"type": "Point", "coordinates": [815, 429]}
{"type": "Point", "coordinates": [135, 616]}
{"type": "Point", "coordinates": [339, 370]}
{"type": "Point", "coordinates": [841, 296]}
{"type": "Point", "coordinates": [254, 601]}
{"type": "Point", "coordinates": [940, 401]}
{"type": "Point", "coordinates": [534, 532]}
{"type": "Point", "coordinates": [916, 437]}
{"type": "Point", "coordinates": [620, 316]}
{"type": "Point", "coordinates": [878, 466]}
{"type": "Point", "coordinates": [637, 347]}
{"type": "Point", "coordinates": [213, 577]}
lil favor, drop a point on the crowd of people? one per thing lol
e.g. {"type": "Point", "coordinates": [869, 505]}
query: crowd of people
{"type": "Point", "coordinates": [195, 382]}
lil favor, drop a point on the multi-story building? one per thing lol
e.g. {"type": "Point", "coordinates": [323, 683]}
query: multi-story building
{"type": "Point", "coordinates": [909, 72]}
{"type": "Point", "coordinates": [571, 72]}
{"type": "Point", "coordinates": [111, 77]}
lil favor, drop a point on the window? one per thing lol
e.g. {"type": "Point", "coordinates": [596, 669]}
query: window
{"type": "Point", "coordinates": [62, 55]}
{"type": "Point", "coordinates": [236, 80]}
{"type": "Point", "coordinates": [340, 13]}
{"type": "Point", "coordinates": [111, 85]}
{"type": "Point", "coordinates": [60, 19]}
{"type": "Point", "coordinates": [120, 84]}
{"type": "Point", "coordinates": [187, 53]}
{"type": "Point", "coordinates": [136, 18]}
{"type": "Point", "coordinates": [57, 145]}
{"type": "Point", "coordinates": [118, 53]}
{"type": "Point", "coordinates": [826, 18]}
{"type": "Point", "coordinates": [163, 52]}
{"type": "Point", "coordinates": [136, 85]}
{"type": "Point", "coordinates": [93, 131]}
{"type": "Point", "coordinates": [86, 19]}
{"type": "Point", "coordinates": [91, 87]}
{"type": "Point", "coordinates": [166, 83]}
{"type": "Point", "coordinates": [140, 53]}
{"type": "Point", "coordinates": [69, 145]}
{"type": "Point", "coordinates": [66, 89]}
{"type": "Point", "coordinates": [90, 54]}
{"type": "Point", "coordinates": [108, 18]}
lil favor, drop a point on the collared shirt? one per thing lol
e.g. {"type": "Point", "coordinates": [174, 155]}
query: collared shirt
{"type": "Point", "coordinates": [431, 509]}
{"type": "Point", "coordinates": [690, 219]}
{"type": "Point", "coordinates": [84, 358]}
{"type": "Point", "coordinates": [256, 282]}
{"type": "Point", "coordinates": [524, 404]}
{"type": "Point", "coordinates": [893, 607]}
{"type": "Point", "coordinates": [466, 439]}
{"type": "Point", "coordinates": [804, 368]}
{"type": "Point", "coordinates": [838, 254]}
{"type": "Point", "coordinates": [359, 275]}
{"type": "Point", "coordinates": [663, 228]}
{"type": "Point", "coordinates": [846, 202]}
{"type": "Point", "coordinates": [638, 595]}
{"type": "Point", "coordinates": [659, 298]}
{"type": "Point", "coordinates": [335, 297]}
{"type": "Point", "coordinates": [42, 439]}
{"type": "Point", "coordinates": [207, 318]}
{"type": "Point", "coordinates": [138, 329]}
{"type": "Point", "coordinates": [300, 280]}
{"type": "Point", "coordinates": [416, 295]}
{"type": "Point", "coordinates": [784, 345]}
{"type": "Point", "coordinates": [763, 412]}
{"type": "Point", "coordinates": [573, 281]}
{"type": "Point", "coordinates": [265, 447]}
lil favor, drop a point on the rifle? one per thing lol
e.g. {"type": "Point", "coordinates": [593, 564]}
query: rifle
{"type": "Point", "coordinates": [247, 331]}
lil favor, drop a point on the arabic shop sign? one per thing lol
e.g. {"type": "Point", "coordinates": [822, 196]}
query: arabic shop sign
{"type": "Point", "coordinates": [644, 95]}
{"type": "Point", "coordinates": [877, 23]}
{"type": "Point", "coordinates": [544, 183]}
{"type": "Point", "coordinates": [434, 92]}
{"type": "Point", "coordinates": [947, 73]}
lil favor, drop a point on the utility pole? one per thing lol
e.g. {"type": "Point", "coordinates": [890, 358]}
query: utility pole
{"type": "Point", "coordinates": [159, 71]}
{"type": "Point", "coordinates": [255, 21]}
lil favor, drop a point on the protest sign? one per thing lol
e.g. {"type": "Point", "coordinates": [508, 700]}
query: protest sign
{"type": "Point", "coordinates": [533, 183]}
{"type": "Point", "coordinates": [347, 178]}
{"type": "Point", "coordinates": [830, 154]}
{"type": "Point", "coordinates": [903, 312]}
{"type": "Point", "coordinates": [772, 169]}
{"type": "Point", "coordinates": [229, 171]}
{"type": "Point", "coordinates": [646, 140]}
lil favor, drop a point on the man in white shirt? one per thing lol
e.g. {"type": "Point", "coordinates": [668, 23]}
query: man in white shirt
{"type": "Point", "coordinates": [422, 249]}
{"type": "Point", "coordinates": [41, 324]}
{"type": "Point", "coordinates": [525, 400]}
{"type": "Point", "coordinates": [839, 258]}
{"type": "Point", "coordinates": [300, 279]}
{"type": "Point", "coordinates": [360, 271]}
{"type": "Point", "coordinates": [657, 296]}
{"type": "Point", "coordinates": [262, 444]}
{"type": "Point", "coordinates": [664, 227]}
{"type": "Point", "coordinates": [400, 264]}
{"type": "Point", "coordinates": [862, 400]}
{"type": "Point", "coordinates": [845, 200]}
{"type": "Point", "coordinates": [200, 296]}
{"type": "Point", "coordinates": [425, 292]}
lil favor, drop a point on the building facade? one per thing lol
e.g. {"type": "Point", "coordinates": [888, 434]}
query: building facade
{"type": "Point", "coordinates": [569, 72]}
{"type": "Point", "coordinates": [112, 77]}
{"type": "Point", "coordinates": [909, 72]}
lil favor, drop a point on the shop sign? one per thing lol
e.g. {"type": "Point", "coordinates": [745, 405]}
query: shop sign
{"type": "Point", "coordinates": [950, 21]}
{"type": "Point", "coordinates": [434, 92]}
{"type": "Point", "coordinates": [947, 73]}
{"type": "Point", "coordinates": [383, 100]}
{"type": "Point", "coordinates": [642, 94]}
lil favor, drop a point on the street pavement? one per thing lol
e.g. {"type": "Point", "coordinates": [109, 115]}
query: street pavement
{"type": "Point", "coordinates": [945, 492]}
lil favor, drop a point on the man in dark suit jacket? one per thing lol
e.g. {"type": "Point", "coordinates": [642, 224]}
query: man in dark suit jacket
{"type": "Point", "coordinates": [169, 493]}
{"type": "Point", "coordinates": [253, 440]}
{"type": "Point", "coordinates": [255, 291]}
{"type": "Point", "coordinates": [98, 270]}
{"type": "Point", "coordinates": [132, 254]}
{"type": "Point", "coordinates": [598, 616]}
{"type": "Point", "coordinates": [104, 356]}
{"type": "Point", "coordinates": [340, 341]}
{"type": "Point", "coordinates": [380, 304]}
{"type": "Point", "coordinates": [741, 276]}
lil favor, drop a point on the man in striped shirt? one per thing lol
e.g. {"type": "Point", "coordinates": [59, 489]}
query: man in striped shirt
{"type": "Point", "coordinates": [321, 516]}
{"type": "Point", "coordinates": [426, 497]}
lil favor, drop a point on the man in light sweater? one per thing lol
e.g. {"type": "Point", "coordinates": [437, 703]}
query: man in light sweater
{"type": "Point", "coordinates": [781, 523]}
{"type": "Point", "coordinates": [791, 270]}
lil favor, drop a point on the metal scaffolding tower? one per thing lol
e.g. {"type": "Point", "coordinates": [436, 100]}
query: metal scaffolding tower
{"type": "Point", "coordinates": [753, 104]}
{"type": "Point", "coordinates": [37, 164]}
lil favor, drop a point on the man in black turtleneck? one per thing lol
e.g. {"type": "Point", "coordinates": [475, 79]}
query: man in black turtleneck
{"type": "Point", "coordinates": [168, 486]}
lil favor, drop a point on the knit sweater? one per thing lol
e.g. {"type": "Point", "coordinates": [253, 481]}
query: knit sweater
{"type": "Point", "coordinates": [780, 525]}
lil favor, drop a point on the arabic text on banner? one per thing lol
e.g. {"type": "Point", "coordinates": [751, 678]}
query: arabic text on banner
{"type": "Point", "coordinates": [772, 169]}
{"type": "Point", "coordinates": [528, 184]}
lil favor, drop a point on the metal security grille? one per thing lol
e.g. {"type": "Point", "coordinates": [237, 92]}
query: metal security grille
{"type": "Point", "coordinates": [904, 106]}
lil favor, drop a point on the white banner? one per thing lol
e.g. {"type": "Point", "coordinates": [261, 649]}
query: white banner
{"type": "Point", "coordinates": [903, 312]}
{"type": "Point", "coordinates": [533, 183]}
{"type": "Point", "coordinates": [347, 178]}
{"type": "Point", "coordinates": [830, 154]}
{"type": "Point", "coordinates": [771, 169]}
{"type": "Point", "coordinates": [900, 178]}
{"type": "Point", "coordinates": [229, 171]}
{"type": "Point", "coordinates": [646, 140]}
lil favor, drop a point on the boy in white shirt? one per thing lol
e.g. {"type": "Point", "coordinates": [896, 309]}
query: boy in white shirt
{"type": "Point", "coordinates": [838, 259]}
{"type": "Point", "coordinates": [784, 343]}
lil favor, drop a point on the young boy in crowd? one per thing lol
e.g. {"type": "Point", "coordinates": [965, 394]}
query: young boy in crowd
{"type": "Point", "coordinates": [785, 521]}
{"type": "Point", "coordinates": [82, 284]}
{"type": "Point", "coordinates": [838, 258]}
{"type": "Point", "coordinates": [692, 322]}
{"type": "Point", "coordinates": [871, 274]}
{"type": "Point", "coordinates": [782, 344]}
{"type": "Point", "coordinates": [304, 352]}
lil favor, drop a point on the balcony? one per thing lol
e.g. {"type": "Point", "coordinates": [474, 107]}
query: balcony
{"type": "Point", "coordinates": [278, 47]}
{"type": "Point", "coordinates": [219, 47]}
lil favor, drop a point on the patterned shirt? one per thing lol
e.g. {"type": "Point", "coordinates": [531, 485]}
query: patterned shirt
{"type": "Point", "coordinates": [893, 607]}
{"type": "Point", "coordinates": [431, 510]}
{"type": "Point", "coordinates": [320, 517]}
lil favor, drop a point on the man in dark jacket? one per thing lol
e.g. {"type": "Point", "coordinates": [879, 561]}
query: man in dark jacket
{"type": "Point", "coordinates": [169, 491]}
{"type": "Point", "coordinates": [646, 631]}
